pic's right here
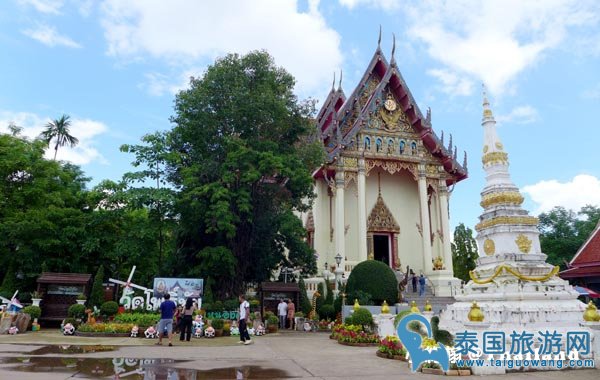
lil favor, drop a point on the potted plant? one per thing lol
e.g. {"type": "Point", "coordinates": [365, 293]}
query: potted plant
{"type": "Point", "coordinates": [36, 298]}
{"type": "Point", "coordinates": [227, 328]}
{"type": "Point", "coordinates": [81, 299]}
{"type": "Point", "coordinates": [432, 368]}
{"type": "Point", "coordinates": [272, 323]}
{"type": "Point", "coordinates": [218, 324]}
{"type": "Point", "coordinates": [34, 312]}
{"type": "Point", "coordinates": [299, 320]}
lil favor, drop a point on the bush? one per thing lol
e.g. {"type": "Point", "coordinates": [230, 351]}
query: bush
{"type": "Point", "coordinates": [320, 300]}
{"type": "Point", "coordinates": [109, 308]}
{"type": "Point", "coordinates": [218, 306]}
{"type": "Point", "coordinates": [299, 314]}
{"type": "Point", "coordinates": [217, 324]}
{"type": "Point", "coordinates": [76, 311]}
{"type": "Point", "coordinates": [401, 315]}
{"type": "Point", "coordinates": [230, 305]}
{"type": "Point", "coordinates": [254, 305]}
{"type": "Point", "coordinates": [33, 311]}
{"type": "Point", "coordinates": [139, 319]}
{"type": "Point", "coordinates": [72, 321]}
{"type": "Point", "coordinates": [327, 312]}
{"type": "Point", "coordinates": [348, 320]}
{"type": "Point", "coordinates": [111, 328]}
{"type": "Point", "coordinates": [442, 336]}
{"type": "Point", "coordinates": [97, 294]}
{"type": "Point", "coordinates": [304, 301]}
{"type": "Point", "coordinates": [375, 278]}
{"type": "Point", "coordinates": [272, 320]}
{"type": "Point", "coordinates": [362, 317]}
{"type": "Point", "coordinates": [363, 298]}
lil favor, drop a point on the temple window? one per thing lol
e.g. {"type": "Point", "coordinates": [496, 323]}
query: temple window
{"type": "Point", "coordinates": [379, 144]}
{"type": "Point", "coordinates": [367, 143]}
{"type": "Point", "coordinates": [413, 148]}
{"type": "Point", "coordinates": [390, 146]}
{"type": "Point", "coordinates": [402, 145]}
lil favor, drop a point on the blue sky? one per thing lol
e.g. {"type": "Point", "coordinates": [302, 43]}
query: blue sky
{"type": "Point", "coordinates": [115, 66]}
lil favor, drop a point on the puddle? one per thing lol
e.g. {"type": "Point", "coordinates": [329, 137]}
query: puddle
{"type": "Point", "coordinates": [135, 369]}
{"type": "Point", "coordinates": [71, 349]}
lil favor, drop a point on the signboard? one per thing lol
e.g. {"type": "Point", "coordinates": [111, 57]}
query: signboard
{"type": "Point", "coordinates": [178, 288]}
{"type": "Point", "coordinates": [66, 290]}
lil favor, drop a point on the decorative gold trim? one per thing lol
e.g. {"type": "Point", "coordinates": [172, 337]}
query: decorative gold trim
{"type": "Point", "coordinates": [485, 148]}
{"type": "Point", "coordinates": [489, 247]}
{"type": "Point", "coordinates": [349, 177]}
{"type": "Point", "coordinates": [350, 162]}
{"type": "Point", "coordinates": [495, 158]}
{"type": "Point", "coordinates": [524, 243]}
{"type": "Point", "coordinates": [505, 197]}
{"type": "Point", "coordinates": [527, 220]}
{"type": "Point", "coordinates": [514, 272]}
{"type": "Point", "coordinates": [381, 218]}
{"type": "Point", "coordinates": [487, 113]}
{"type": "Point", "coordinates": [391, 167]}
{"type": "Point", "coordinates": [432, 170]}
{"type": "Point", "coordinates": [499, 145]}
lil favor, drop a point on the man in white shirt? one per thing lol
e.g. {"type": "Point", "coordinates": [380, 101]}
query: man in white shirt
{"type": "Point", "coordinates": [282, 313]}
{"type": "Point", "coordinates": [244, 314]}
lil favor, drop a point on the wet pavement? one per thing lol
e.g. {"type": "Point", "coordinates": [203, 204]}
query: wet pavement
{"type": "Point", "coordinates": [276, 356]}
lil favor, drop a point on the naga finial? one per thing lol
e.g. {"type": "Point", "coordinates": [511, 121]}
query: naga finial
{"type": "Point", "coordinates": [333, 83]}
{"type": "Point", "coordinates": [340, 83]}
{"type": "Point", "coordinates": [379, 39]}
{"type": "Point", "coordinates": [465, 161]}
{"type": "Point", "coordinates": [393, 47]}
{"type": "Point", "coordinates": [450, 144]}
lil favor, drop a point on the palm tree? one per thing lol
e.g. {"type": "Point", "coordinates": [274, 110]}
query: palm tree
{"type": "Point", "coordinates": [59, 129]}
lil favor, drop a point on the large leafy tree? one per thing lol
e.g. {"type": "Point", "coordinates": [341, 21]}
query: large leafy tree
{"type": "Point", "coordinates": [563, 231]}
{"type": "Point", "coordinates": [243, 168]}
{"type": "Point", "coordinates": [464, 252]}
{"type": "Point", "coordinates": [58, 130]}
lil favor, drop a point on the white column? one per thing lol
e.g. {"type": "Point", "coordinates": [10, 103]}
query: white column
{"type": "Point", "coordinates": [362, 211]}
{"type": "Point", "coordinates": [446, 248]}
{"type": "Point", "coordinates": [427, 264]}
{"type": "Point", "coordinates": [339, 216]}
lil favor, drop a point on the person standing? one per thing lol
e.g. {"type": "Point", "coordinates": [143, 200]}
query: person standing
{"type": "Point", "coordinates": [413, 279]}
{"type": "Point", "coordinates": [282, 313]}
{"type": "Point", "coordinates": [291, 311]}
{"type": "Point", "coordinates": [167, 310]}
{"type": "Point", "coordinates": [244, 315]}
{"type": "Point", "coordinates": [186, 319]}
{"type": "Point", "coordinates": [421, 285]}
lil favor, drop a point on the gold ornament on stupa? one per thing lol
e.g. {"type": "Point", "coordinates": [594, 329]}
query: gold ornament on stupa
{"type": "Point", "coordinates": [356, 305]}
{"type": "Point", "coordinates": [427, 306]}
{"type": "Point", "coordinates": [385, 309]}
{"type": "Point", "coordinates": [591, 313]}
{"type": "Point", "coordinates": [438, 263]}
{"type": "Point", "coordinates": [475, 314]}
{"type": "Point", "coordinates": [414, 308]}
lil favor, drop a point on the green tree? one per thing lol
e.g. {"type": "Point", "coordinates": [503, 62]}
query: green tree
{"type": "Point", "coordinates": [562, 232]}
{"type": "Point", "coordinates": [243, 164]}
{"type": "Point", "coordinates": [464, 252]}
{"type": "Point", "coordinates": [58, 130]}
{"type": "Point", "coordinates": [305, 305]}
{"type": "Point", "coordinates": [97, 294]}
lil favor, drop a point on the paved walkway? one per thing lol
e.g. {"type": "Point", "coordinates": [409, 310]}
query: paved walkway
{"type": "Point", "coordinates": [286, 355]}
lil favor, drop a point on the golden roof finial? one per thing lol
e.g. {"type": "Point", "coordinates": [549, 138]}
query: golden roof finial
{"type": "Point", "coordinates": [487, 111]}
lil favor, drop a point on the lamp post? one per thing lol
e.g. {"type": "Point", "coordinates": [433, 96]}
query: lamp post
{"type": "Point", "coordinates": [326, 271]}
{"type": "Point", "coordinates": [338, 272]}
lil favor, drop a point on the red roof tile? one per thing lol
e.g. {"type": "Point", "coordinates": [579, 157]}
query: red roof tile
{"type": "Point", "coordinates": [589, 251]}
{"type": "Point", "coordinates": [581, 272]}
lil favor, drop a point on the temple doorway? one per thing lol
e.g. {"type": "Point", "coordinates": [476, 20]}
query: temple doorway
{"type": "Point", "coordinates": [382, 248]}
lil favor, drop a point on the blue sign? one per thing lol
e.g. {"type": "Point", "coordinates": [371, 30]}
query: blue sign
{"type": "Point", "coordinates": [412, 342]}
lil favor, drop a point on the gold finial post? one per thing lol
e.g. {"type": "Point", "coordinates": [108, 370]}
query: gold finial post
{"type": "Point", "coordinates": [475, 314]}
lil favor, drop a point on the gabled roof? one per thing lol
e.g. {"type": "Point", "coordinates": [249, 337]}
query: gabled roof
{"type": "Point", "coordinates": [589, 253]}
{"type": "Point", "coordinates": [390, 78]}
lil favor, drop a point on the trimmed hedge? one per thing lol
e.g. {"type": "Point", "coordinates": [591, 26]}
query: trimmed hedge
{"type": "Point", "coordinates": [375, 278]}
{"type": "Point", "coordinates": [109, 308]}
{"type": "Point", "coordinates": [327, 312]}
{"type": "Point", "coordinates": [33, 311]}
{"type": "Point", "coordinates": [76, 311]}
{"type": "Point", "coordinates": [362, 317]}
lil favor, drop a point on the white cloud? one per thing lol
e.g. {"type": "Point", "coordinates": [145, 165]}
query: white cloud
{"type": "Point", "coordinates": [592, 93]}
{"type": "Point", "coordinates": [44, 6]}
{"type": "Point", "coordinates": [452, 83]}
{"type": "Point", "coordinates": [383, 4]}
{"type": "Point", "coordinates": [495, 40]}
{"type": "Point", "coordinates": [85, 130]}
{"type": "Point", "coordinates": [158, 84]}
{"type": "Point", "coordinates": [50, 37]}
{"type": "Point", "coordinates": [582, 190]}
{"type": "Point", "coordinates": [187, 34]}
{"type": "Point", "coordinates": [520, 115]}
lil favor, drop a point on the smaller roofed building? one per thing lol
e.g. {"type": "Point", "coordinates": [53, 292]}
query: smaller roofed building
{"type": "Point", "coordinates": [584, 268]}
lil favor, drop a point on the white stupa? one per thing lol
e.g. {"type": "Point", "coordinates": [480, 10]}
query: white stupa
{"type": "Point", "coordinates": [512, 284]}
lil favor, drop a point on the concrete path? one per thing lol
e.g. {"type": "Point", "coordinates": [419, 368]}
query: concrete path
{"type": "Point", "coordinates": [286, 355]}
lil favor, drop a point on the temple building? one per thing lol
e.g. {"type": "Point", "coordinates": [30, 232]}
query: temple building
{"type": "Point", "coordinates": [383, 192]}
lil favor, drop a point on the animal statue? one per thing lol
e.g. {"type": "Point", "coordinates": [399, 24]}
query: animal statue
{"type": "Point", "coordinates": [69, 329]}
{"type": "Point", "coordinates": [234, 330]}
{"type": "Point", "coordinates": [251, 331]}
{"type": "Point", "coordinates": [91, 320]}
{"type": "Point", "coordinates": [209, 332]}
{"type": "Point", "coordinates": [198, 332]}
{"type": "Point", "coordinates": [313, 311]}
{"type": "Point", "coordinates": [150, 333]}
{"type": "Point", "coordinates": [134, 331]}
{"type": "Point", "coordinates": [260, 330]}
{"type": "Point", "coordinates": [13, 330]}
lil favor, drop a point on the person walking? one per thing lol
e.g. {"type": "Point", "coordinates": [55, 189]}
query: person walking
{"type": "Point", "coordinates": [167, 310]}
{"type": "Point", "coordinates": [186, 319]}
{"type": "Point", "coordinates": [421, 285]}
{"type": "Point", "coordinates": [413, 279]}
{"type": "Point", "coordinates": [291, 311]}
{"type": "Point", "coordinates": [244, 315]}
{"type": "Point", "coordinates": [282, 313]}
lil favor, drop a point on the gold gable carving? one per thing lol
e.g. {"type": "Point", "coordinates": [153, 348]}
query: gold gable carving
{"type": "Point", "coordinates": [381, 219]}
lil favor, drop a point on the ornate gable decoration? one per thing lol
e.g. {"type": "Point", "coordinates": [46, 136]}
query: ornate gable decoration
{"type": "Point", "coordinates": [310, 222]}
{"type": "Point", "coordinates": [381, 219]}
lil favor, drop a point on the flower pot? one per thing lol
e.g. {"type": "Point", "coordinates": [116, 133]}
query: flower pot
{"type": "Point", "coordinates": [272, 328]}
{"type": "Point", "coordinates": [452, 372]}
{"type": "Point", "coordinates": [36, 301]}
{"type": "Point", "coordinates": [81, 302]}
{"type": "Point", "coordinates": [218, 332]}
{"type": "Point", "coordinates": [464, 372]}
